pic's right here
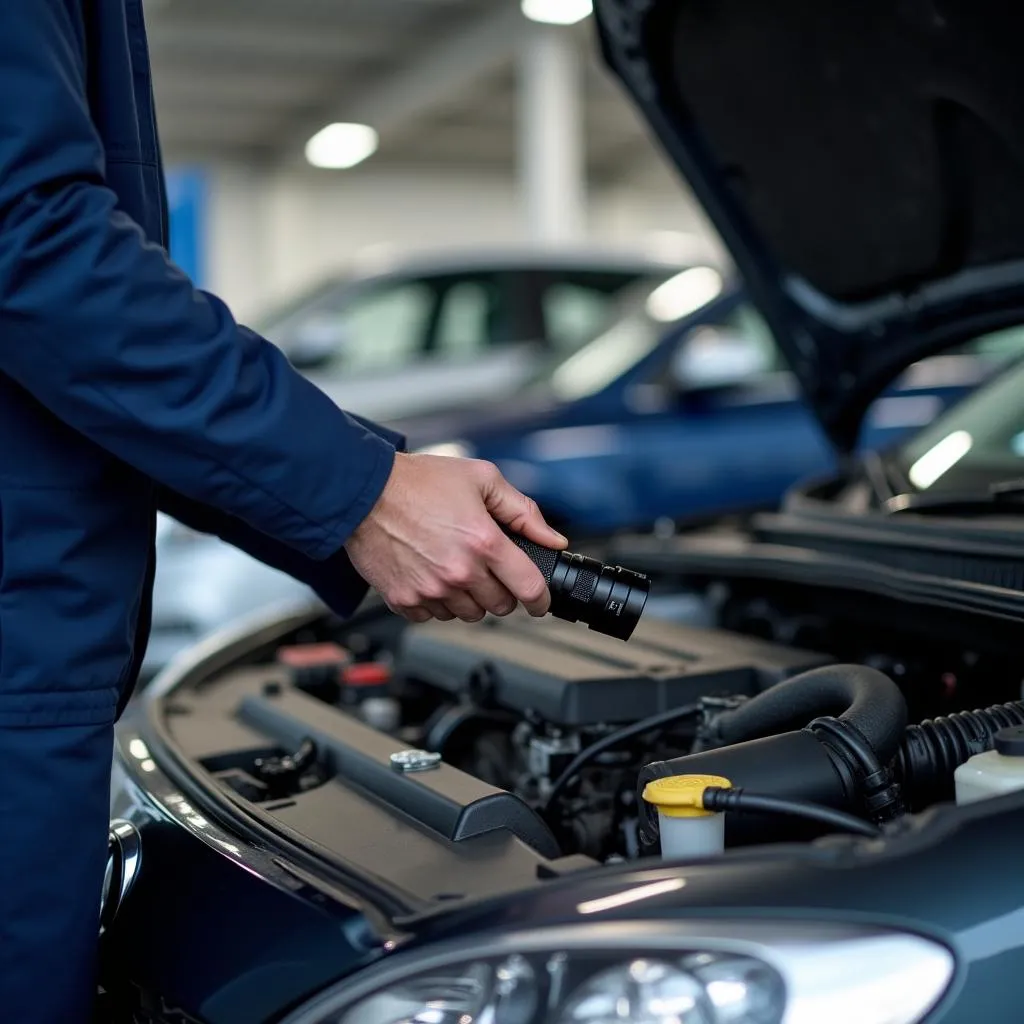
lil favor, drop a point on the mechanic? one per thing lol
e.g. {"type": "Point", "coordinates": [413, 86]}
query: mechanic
{"type": "Point", "coordinates": [124, 389]}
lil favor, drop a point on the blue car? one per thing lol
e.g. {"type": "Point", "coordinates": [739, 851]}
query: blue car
{"type": "Point", "coordinates": [700, 417]}
{"type": "Point", "coordinates": [681, 408]}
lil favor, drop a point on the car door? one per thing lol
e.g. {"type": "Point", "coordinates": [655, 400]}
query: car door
{"type": "Point", "coordinates": [733, 431]}
{"type": "Point", "coordinates": [729, 431]}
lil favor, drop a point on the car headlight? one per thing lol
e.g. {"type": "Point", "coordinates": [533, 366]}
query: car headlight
{"type": "Point", "coordinates": [683, 972]}
{"type": "Point", "coordinates": [452, 449]}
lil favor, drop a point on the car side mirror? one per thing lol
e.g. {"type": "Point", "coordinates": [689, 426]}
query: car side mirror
{"type": "Point", "coordinates": [711, 357]}
{"type": "Point", "coordinates": [316, 341]}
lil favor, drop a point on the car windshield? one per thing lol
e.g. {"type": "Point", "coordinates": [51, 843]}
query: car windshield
{"type": "Point", "coordinates": [639, 324]}
{"type": "Point", "coordinates": [276, 323]}
{"type": "Point", "coordinates": [978, 443]}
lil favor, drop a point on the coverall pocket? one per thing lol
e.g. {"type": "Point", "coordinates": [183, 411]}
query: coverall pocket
{"type": "Point", "coordinates": [70, 573]}
{"type": "Point", "coordinates": [54, 807]}
{"type": "Point", "coordinates": [74, 568]}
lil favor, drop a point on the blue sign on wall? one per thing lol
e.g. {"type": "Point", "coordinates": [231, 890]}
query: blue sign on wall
{"type": "Point", "coordinates": [186, 197]}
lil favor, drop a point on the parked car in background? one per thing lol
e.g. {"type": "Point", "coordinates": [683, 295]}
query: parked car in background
{"type": "Point", "coordinates": [423, 333]}
{"type": "Point", "coordinates": [459, 356]}
{"type": "Point", "coordinates": [654, 418]}
{"type": "Point", "coordinates": [699, 418]}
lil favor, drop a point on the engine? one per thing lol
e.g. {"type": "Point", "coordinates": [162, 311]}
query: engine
{"type": "Point", "coordinates": [575, 724]}
{"type": "Point", "coordinates": [540, 709]}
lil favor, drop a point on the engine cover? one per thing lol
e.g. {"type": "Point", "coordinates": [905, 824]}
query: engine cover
{"type": "Point", "coordinates": [575, 678]}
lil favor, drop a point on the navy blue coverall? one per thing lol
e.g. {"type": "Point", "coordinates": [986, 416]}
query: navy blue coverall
{"type": "Point", "coordinates": [123, 389]}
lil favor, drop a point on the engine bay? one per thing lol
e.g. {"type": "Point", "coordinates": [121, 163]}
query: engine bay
{"type": "Point", "coordinates": [541, 708]}
{"type": "Point", "coordinates": [540, 734]}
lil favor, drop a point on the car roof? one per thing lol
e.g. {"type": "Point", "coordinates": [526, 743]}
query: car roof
{"type": "Point", "coordinates": [385, 262]}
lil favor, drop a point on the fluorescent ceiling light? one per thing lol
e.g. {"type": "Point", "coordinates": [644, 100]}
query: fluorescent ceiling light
{"type": "Point", "coordinates": [339, 146]}
{"type": "Point", "coordinates": [557, 12]}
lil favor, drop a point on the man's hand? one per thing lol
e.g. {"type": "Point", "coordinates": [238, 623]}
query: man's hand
{"type": "Point", "coordinates": [433, 548]}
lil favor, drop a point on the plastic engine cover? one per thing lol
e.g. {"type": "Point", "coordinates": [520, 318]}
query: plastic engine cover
{"type": "Point", "coordinates": [574, 677]}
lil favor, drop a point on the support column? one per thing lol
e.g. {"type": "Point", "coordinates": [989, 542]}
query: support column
{"type": "Point", "coordinates": [552, 171]}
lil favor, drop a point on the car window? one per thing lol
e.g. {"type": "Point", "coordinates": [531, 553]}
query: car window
{"type": "Point", "coordinates": [629, 335]}
{"type": "Point", "coordinates": [381, 328]}
{"type": "Point", "coordinates": [594, 366]}
{"type": "Point", "coordinates": [470, 319]}
{"type": "Point", "coordinates": [577, 305]}
{"type": "Point", "coordinates": [747, 323]}
{"type": "Point", "coordinates": [980, 440]}
{"type": "Point", "coordinates": [998, 346]}
{"type": "Point", "coordinates": [739, 346]}
{"type": "Point", "coordinates": [574, 313]}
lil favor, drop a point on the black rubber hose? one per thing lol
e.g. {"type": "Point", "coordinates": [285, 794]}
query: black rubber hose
{"type": "Point", "coordinates": [881, 795]}
{"type": "Point", "coordinates": [716, 799]}
{"type": "Point", "coordinates": [863, 697]}
{"type": "Point", "coordinates": [930, 752]}
{"type": "Point", "coordinates": [614, 739]}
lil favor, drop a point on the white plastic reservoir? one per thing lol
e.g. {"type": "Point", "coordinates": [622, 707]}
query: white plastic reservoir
{"type": "Point", "coordinates": [995, 771]}
{"type": "Point", "coordinates": [686, 828]}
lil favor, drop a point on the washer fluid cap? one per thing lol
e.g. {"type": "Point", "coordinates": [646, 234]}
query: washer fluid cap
{"type": "Point", "coordinates": [681, 796]}
{"type": "Point", "coordinates": [1010, 741]}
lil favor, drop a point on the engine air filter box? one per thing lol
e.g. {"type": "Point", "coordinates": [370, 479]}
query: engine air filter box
{"type": "Point", "coordinates": [575, 678]}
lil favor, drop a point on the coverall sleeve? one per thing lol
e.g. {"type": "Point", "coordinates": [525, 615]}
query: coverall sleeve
{"type": "Point", "coordinates": [333, 579]}
{"type": "Point", "coordinates": [100, 326]}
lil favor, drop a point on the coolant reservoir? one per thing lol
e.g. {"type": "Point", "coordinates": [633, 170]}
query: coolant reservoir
{"type": "Point", "coordinates": [995, 771]}
{"type": "Point", "coordinates": [687, 830]}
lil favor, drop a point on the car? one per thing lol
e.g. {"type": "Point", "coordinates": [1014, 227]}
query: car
{"type": "Point", "coordinates": [521, 822]}
{"type": "Point", "coordinates": [411, 340]}
{"type": "Point", "coordinates": [653, 419]}
{"type": "Point", "coordinates": [652, 422]}
{"type": "Point", "coordinates": [403, 335]}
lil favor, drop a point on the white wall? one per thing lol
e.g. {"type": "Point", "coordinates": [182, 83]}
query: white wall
{"type": "Point", "coordinates": [270, 236]}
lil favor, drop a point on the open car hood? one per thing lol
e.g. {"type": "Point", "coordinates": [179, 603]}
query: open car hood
{"type": "Point", "coordinates": [863, 162]}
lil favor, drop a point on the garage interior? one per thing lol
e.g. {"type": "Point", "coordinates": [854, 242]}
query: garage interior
{"type": "Point", "coordinates": [493, 129]}
{"type": "Point", "coordinates": [532, 508]}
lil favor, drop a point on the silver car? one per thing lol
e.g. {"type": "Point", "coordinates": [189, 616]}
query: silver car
{"type": "Point", "coordinates": [408, 339]}
{"type": "Point", "coordinates": [426, 334]}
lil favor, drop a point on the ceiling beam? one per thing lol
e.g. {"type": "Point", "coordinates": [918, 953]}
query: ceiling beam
{"type": "Point", "coordinates": [446, 71]}
{"type": "Point", "coordinates": [253, 43]}
{"type": "Point", "coordinates": [198, 89]}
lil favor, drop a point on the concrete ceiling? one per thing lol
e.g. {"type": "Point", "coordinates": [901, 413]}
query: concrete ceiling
{"type": "Point", "coordinates": [253, 79]}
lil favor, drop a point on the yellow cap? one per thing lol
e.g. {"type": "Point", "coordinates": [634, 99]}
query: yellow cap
{"type": "Point", "coordinates": [682, 796]}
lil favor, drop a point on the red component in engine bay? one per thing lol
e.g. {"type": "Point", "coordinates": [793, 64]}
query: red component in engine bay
{"type": "Point", "coordinates": [366, 673]}
{"type": "Point", "coordinates": [313, 655]}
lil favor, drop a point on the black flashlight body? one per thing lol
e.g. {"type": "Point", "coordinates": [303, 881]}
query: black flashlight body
{"type": "Point", "coordinates": [607, 598]}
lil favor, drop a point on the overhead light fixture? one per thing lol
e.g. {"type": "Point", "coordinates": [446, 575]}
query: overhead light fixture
{"type": "Point", "coordinates": [557, 12]}
{"type": "Point", "coordinates": [340, 146]}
